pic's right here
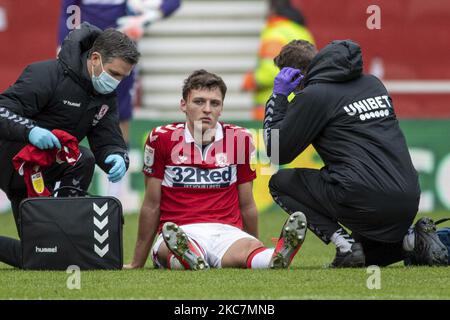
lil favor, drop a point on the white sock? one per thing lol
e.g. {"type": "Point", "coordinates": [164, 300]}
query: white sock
{"type": "Point", "coordinates": [409, 239]}
{"type": "Point", "coordinates": [342, 240]}
{"type": "Point", "coordinates": [261, 260]}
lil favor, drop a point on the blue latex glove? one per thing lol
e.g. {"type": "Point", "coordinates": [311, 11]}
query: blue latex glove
{"type": "Point", "coordinates": [118, 167]}
{"type": "Point", "coordinates": [287, 80]}
{"type": "Point", "coordinates": [43, 139]}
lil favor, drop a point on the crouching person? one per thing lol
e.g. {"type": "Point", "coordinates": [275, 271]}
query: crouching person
{"type": "Point", "coordinates": [74, 94]}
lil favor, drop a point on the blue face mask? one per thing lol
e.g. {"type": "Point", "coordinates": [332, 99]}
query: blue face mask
{"type": "Point", "coordinates": [104, 83]}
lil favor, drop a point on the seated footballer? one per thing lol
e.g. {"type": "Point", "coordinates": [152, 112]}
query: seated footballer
{"type": "Point", "coordinates": [198, 199]}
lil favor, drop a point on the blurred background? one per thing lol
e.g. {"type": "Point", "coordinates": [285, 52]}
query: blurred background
{"type": "Point", "coordinates": [237, 39]}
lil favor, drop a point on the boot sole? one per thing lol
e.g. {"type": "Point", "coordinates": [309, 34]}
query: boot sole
{"type": "Point", "coordinates": [177, 242]}
{"type": "Point", "coordinates": [294, 232]}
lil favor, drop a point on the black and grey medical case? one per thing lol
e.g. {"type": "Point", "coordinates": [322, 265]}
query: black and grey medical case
{"type": "Point", "coordinates": [85, 232]}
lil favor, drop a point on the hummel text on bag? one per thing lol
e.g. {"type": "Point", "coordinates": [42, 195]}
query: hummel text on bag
{"type": "Point", "coordinates": [47, 250]}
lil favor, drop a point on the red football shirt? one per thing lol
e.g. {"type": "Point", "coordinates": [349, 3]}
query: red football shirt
{"type": "Point", "coordinates": [199, 183]}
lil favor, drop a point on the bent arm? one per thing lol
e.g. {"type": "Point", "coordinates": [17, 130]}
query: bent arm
{"type": "Point", "coordinates": [290, 127]}
{"type": "Point", "coordinates": [248, 208]}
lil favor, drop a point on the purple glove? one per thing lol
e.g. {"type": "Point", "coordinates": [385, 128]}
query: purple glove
{"type": "Point", "coordinates": [287, 80]}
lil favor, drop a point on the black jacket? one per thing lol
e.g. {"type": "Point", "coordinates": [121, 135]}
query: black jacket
{"type": "Point", "coordinates": [350, 120]}
{"type": "Point", "coordinates": [58, 94]}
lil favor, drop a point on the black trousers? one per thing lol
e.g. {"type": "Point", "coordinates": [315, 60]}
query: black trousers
{"type": "Point", "coordinates": [378, 225]}
{"type": "Point", "coordinates": [58, 175]}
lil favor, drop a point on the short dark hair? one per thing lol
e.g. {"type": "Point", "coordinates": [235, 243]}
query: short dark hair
{"type": "Point", "coordinates": [296, 54]}
{"type": "Point", "coordinates": [115, 44]}
{"type": "Point", "coordinates": [202, 79]}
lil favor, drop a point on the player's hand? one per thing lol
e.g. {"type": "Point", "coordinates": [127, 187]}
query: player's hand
{"type": "Point", "coordinates": [129, 267]}
{"type": "Point", "coordinates": [118, 167]}
{"type": "Point", "coordinates": [287, 80]}
{"type": "Point", "coordinates": [43, 139]}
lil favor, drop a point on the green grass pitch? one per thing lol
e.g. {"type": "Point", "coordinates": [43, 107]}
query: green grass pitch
{"type": "Point", "coordinates": [305, 279]}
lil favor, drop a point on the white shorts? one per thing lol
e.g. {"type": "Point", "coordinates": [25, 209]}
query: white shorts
{"type": "Point", "coordinates": [214, 240]}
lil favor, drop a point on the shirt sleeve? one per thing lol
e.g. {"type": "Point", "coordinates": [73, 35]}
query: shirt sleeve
{"type": "Point", "coordinates": [154, 161]}
{"type": "Point", "coordinates": [245, 171]}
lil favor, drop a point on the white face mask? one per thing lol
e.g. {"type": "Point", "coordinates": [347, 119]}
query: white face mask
{"type": "Point", "coordinates": [104, 83]}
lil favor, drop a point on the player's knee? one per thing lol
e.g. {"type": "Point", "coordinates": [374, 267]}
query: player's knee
{"type": "Point", "coordinates": [237, 254]}
{"type": "Point", "coordinates": [87, 158]}
{"type": "Point", "coordinates": [252, 245]}
{"type": "Point", "coordinates": [279, 182]}
{"type": "Point", "coordinates": [275, 182]}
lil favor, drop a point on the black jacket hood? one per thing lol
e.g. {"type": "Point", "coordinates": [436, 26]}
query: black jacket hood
{"type": "Point", "coordinates": [74, 50]}
{"type": "Point", "coordinates": [340, 61]}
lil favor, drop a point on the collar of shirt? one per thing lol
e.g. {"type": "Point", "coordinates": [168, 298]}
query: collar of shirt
{"type": "Point", "coordinates": [188, 138]}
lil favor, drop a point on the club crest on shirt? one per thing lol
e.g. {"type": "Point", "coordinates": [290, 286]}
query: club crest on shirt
{"type": "Point", "coordinates": [103, 110]}
{"type": "Point", "coordinates": [221, 160]}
